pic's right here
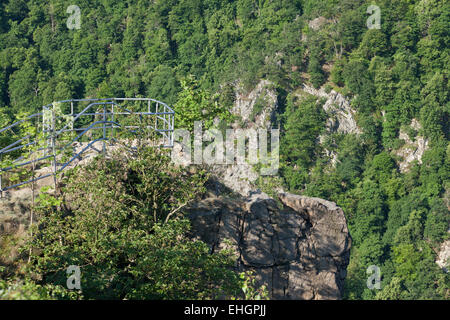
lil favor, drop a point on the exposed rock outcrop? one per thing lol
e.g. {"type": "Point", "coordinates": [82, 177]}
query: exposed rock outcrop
{"type": "Point", "coordinates": [257, 107]}
{"type": "Point", "coordinates": [317, 23]}
{"type": "Point", "coordinates": [411, 150]}
{"type": "Point", "coordinates": [255, 110]}
{"type": "Point", "coordinates": [340, 114]}
{"type": "Point", "coordinates": [299, 251]}
{"type": "Point", "coordinates": [443, 258]}
{"type": "Point", "coordinates": [239, 178]}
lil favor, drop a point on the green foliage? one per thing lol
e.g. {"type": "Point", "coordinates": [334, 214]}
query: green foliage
{"type": "Point", "coordinates": [437, 222]}
{"type": "Point", "coordinates": [393, 291]}
{"type": "Point", "coordinates": [121, 221]}
{"type": "Point", "coordinates": [315, 70]}
{"type": "Point", "coordinates": [29, 290]}
{"type": "Point", "coordinates": [195, 104]}
{"type": "Point", "coordinates": [406, 259]}
{"type": "Point", "coordinates": [392, 75]}
{"type": "Point", "coordinates": [259, 106]}
{"type": "Point", "coordinates": [374, 43]}
{"type": "Point", "coordinates": [303, 122]}
{"type": "Point", "coordinates": [249, 285]}
{"type": "Point", "coordinates": [350, 159]}
{"type": "Point", "coordinates": [337, 72]}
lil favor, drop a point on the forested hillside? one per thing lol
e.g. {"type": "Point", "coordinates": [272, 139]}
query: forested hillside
{"type": "Point", "coordinates": [393, 76]}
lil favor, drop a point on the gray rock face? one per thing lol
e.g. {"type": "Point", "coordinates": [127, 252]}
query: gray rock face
{"type": "Point", "coordinates": [245, 105]}
{"type": "Point", "coordinates": [299, 251]}
{"type": "Point", "coordinates": [255, 110]}
{"type": "Point", "coordinates": [237, 177]}
{"type": "Point", "coordinates": [443, 258]}
{"type": "Point", "coordinates": [341, 116]}
{"type": "Point", "coordinates": [412, 150]}
{"type": "Point", "coordinates": [317, 23]}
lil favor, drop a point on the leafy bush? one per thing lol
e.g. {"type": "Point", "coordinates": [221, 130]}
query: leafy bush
{"type": "Point", "coordinates": [121, 222]}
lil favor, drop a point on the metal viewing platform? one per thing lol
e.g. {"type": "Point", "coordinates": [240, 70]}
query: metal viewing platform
{"type": "Point", "coordinates": [53, 134]}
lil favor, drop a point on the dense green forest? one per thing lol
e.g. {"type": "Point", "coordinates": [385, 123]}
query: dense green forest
{"type": "Point", "coordinates": [170, 49]}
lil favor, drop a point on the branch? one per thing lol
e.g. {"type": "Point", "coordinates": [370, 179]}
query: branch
{"type": "Point", "coordinates": [176, 210]}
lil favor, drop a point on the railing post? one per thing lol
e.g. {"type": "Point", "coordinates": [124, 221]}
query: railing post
{"type": "Point", "coordinates": [53, 129]}
{"type": "Point", "coordinates": [1, 175]}
{"type": "Point", "coordinates": [104, 129]}
{"type": "Point", "coordinates": [172, 130]}
{"type": "Point", "coordinates": [71, 114]}
{"type": "Point", "coordinates": [40, 153]}
{"type": "Point", "coordinates": [43, 131]}
{"type": "Point", "coordinates": [112, 119]}
{"type": "Point", "coordinates": [156, 117]}
{"type": "Point", "coordinates": [166, 126]}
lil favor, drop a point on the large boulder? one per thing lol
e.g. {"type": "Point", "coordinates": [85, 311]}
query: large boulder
{"type": "Point", "coordinates": [298, 247]}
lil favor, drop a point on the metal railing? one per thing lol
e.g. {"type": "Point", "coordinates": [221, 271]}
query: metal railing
{"type": "Point", "coordinates": [59, 127]}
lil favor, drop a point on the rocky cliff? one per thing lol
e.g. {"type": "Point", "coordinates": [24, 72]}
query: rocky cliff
{"type": "Point", "coordinates": [299, 247]}
{"type": "Point", "coordinates": [341, 116]}
{"type": "Point", "coordinates": [413, 149]}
